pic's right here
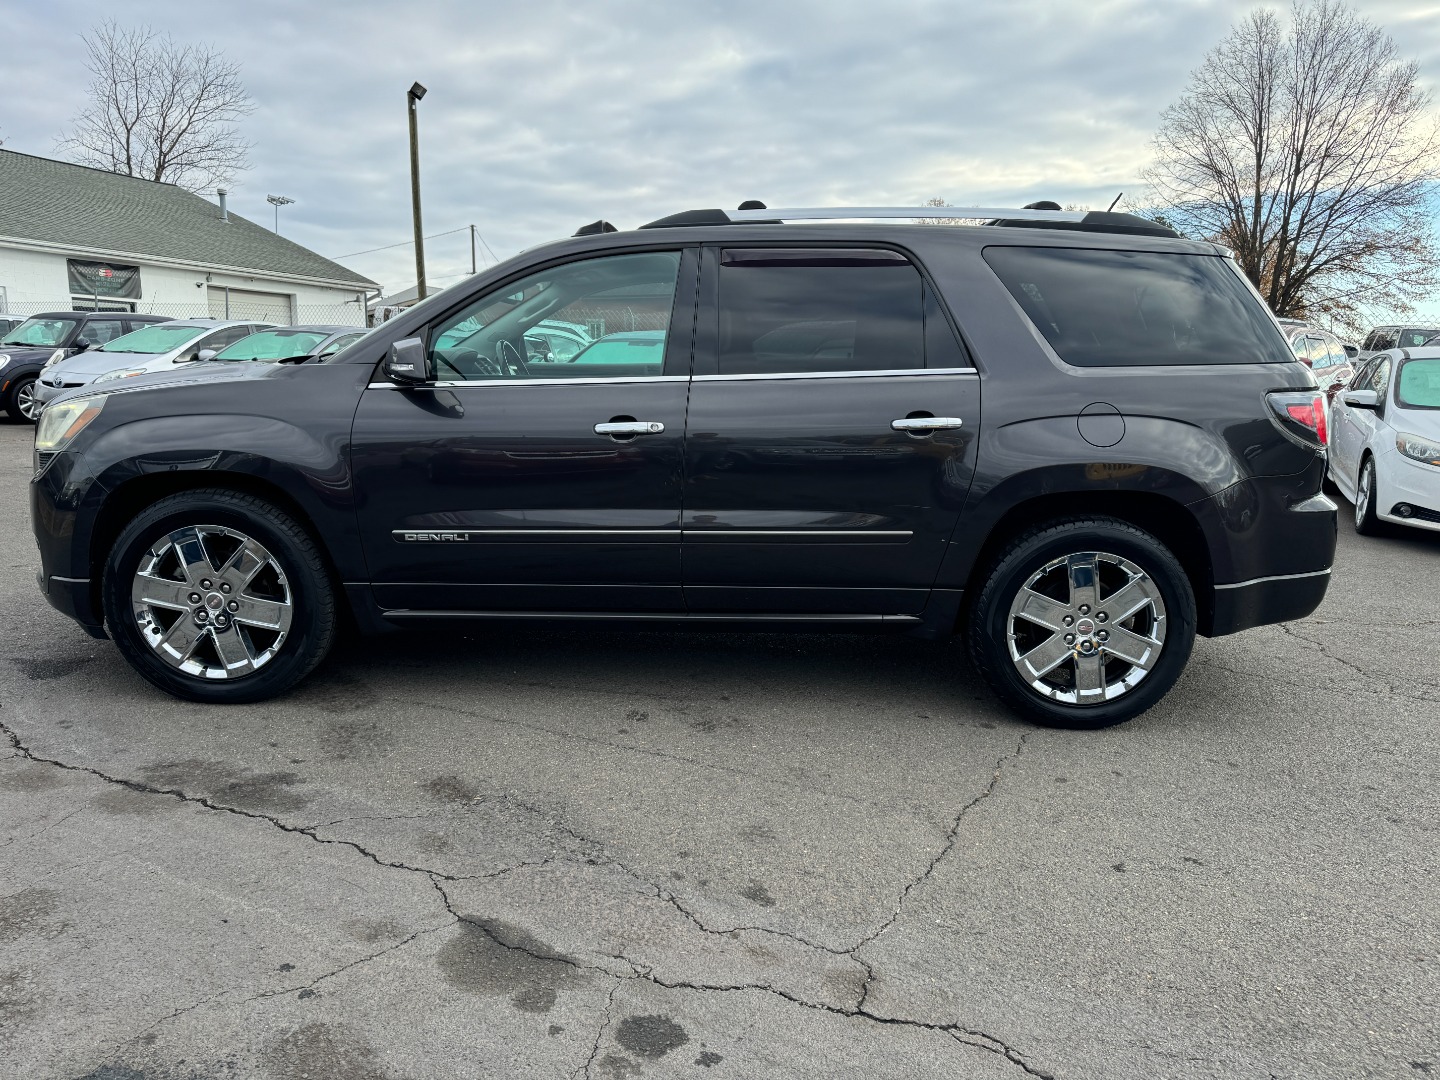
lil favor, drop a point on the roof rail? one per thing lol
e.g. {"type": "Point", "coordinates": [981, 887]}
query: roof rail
{"type": "Point", "coordinates": [1087, 221]}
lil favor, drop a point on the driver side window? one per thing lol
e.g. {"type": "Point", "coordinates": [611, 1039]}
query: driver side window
{"type": "Point", "coordinates": [599, 318]}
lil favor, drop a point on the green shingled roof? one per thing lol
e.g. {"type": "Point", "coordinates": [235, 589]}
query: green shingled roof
{"type": "Point", "coordinates": [54, 202]}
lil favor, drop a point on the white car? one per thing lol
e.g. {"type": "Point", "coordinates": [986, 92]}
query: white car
{"type": "Point", "coordinates": [1385, 441]}
{"type": "Point", "coordinates": [158, 347]}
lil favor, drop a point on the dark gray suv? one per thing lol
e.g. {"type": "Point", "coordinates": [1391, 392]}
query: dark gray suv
{"type": "Point", "coordinates": [1072, 437]}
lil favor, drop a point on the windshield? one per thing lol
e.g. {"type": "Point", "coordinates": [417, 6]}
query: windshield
{"type": "Point", "coordinates": [1419, 385]}
{"type": "Point", "coordinates": [40, 332]}
{"type": "Point", "coordinates": [162, 337]}
{"type": "Point", "coordinates": [272, 345]}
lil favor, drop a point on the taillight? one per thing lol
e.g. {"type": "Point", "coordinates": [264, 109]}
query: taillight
{"type": "Point", "coordinates": [1301, 415]}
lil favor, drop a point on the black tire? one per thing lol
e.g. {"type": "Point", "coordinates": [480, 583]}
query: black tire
{"type": "Point", "coordinates": [11, 404]}
{"type": "Point", "coordinates": [306, 583]}
{"type": "Point", "coordinates": [1367, 521]}
{"type": "Point", "coordinates": [987, 624]}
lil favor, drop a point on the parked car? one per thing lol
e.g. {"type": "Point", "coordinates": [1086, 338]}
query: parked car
{"type": "Point", "coordinates": [48, 339]}
{"type": "Point", "coordinates": [1385, 441]}
{"type": "Point", "coordinates": [289, 344]}
{"type": "Point", "coordinates": [1322, 352]}
{"type": "Point", "coordinates": [153, 348]}
{"type": "Point", "coordinates": [1385, 338]}
{"type": "Point", "coordinates": [1148, 465]}
{"type": "Point", "coordinates": [8, 323]}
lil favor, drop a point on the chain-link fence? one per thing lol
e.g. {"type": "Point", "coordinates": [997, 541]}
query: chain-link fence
{"type": "Point", "coordinates": [349, 314]}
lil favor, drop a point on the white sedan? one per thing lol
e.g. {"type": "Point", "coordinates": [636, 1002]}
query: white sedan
{"type": "Point", "coordinates": [1385, 441]}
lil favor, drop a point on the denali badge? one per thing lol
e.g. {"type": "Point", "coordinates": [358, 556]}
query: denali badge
{"type": "Point", "coordinates": [427, 537]}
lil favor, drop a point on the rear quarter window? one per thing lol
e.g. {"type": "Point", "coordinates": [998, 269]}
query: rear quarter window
{"type": "Point", "coordinates": [1136, 308]}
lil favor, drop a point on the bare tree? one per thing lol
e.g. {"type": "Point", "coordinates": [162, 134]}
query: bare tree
{"type": "Point", "coordinates": [160, 109]}
{"type": "Point", "coordinates": [1310, 151]}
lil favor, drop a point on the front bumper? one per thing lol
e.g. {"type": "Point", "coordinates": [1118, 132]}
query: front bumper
{"type": "Point", "coordinates": [64, 499]}
{"type": "Point", "coordinates": [1399, 480]}
{"type": "Point", "coordinates": [73, 597]}
{"type": "Point", "coordinates": [45, 393]}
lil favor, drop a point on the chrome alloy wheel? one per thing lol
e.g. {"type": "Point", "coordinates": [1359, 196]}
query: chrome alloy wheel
{"type": "Point", "coordinates": [1086, 628]}
{"type": "Point", "coordinates": [26, 401]}
{"type": "Point", "coordinates": [1363, 492]}
{"type": "Point", "coordinates": [212, 602]}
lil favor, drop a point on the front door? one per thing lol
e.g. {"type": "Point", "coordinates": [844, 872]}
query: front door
{"type": "Point", "coordinates": [832, 433]}
{"type": "Point", "coordinates": [524, 481]}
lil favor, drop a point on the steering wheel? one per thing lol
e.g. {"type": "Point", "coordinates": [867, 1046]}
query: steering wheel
{"type": "Point", "coordinates": [511, 362]}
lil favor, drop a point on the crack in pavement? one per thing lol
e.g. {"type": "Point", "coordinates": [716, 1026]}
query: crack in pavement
{"type": "Point", "coordinates": [1325, 651]}
{"type": "Point", "coordinates": [967, 1036]}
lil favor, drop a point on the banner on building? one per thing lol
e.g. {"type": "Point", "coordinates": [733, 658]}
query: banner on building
{"type": "Point", "coordinates": [103, 279]}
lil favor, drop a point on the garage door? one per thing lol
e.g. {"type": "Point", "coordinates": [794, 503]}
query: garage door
{"type": "Point", "coordinates": [247, 304]}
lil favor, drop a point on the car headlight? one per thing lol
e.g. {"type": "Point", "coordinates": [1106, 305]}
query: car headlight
{"type": "Point", "coordinates": [119, 373]}
{"type": "Point", "coordinates": [1418, 449]}
{"type": "Point", "coordinates": [63, 420]}
{"type": "Point", "coordinates": [4, 359]}
{"type": "Point", "coordinates": [55, 358]}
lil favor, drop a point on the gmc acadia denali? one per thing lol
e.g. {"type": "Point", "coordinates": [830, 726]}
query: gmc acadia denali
{"type": "Point", "coordinates": [1072, 437]}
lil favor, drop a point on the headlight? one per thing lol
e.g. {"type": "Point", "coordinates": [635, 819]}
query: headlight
{"type": "Point", "coordinates": [4, 359]}
{"type": "Point", "coordinates": [55, 358]}
{"type": "Point", "coordinates": [1418, 449]}
{"type": "Point", "coordinates": [119, 373]}
{"type": "Point", "coordinates": [63, 420]}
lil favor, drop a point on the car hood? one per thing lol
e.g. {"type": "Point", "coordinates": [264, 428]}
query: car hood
{"type": "Point", "coordinates": [179, 375]}
{"type": "Point", "coordinates": [1424, 422]}
{"type": "Point", "coordinates": [29, 354]}
{"type": "Point", "coordinates": [97, 363]}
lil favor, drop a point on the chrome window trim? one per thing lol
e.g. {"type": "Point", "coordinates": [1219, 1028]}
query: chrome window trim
{"type": "Point", "coordinates": [1276, 577]}
{"type": "Point", "coordinates": [459, 383]}
{"type": "Point", "coordinates": [867, 374]}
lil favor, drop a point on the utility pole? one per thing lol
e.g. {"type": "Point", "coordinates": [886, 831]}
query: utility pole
{"type": "Point", "coordinates": [472, 249]}
{"type": "Point", "coordinates": [414, 94]}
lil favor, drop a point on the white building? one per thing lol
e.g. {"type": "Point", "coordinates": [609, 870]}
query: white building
{"type": "Point", "coordinates": [75, 238]}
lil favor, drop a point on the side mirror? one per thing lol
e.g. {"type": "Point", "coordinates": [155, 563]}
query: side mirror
{"type": "Point", "coordinates": [1351, 351]}
{"type": "Point", "coordinates": [80, 345]}
{"type": "Point", "coordinates": [206, 354]}
{"type": "Point", "coordinates": [1361, 399]}
{"type": "Point", "coordinates": [1306, 361]}
{"type": "Point", "coordinates": [408, 364]}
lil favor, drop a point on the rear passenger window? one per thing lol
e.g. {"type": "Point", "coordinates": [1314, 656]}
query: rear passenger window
{"type": "Point", "coordinates": [1133, 308]}
{"type": "Point", "coordinates": [797, 311]}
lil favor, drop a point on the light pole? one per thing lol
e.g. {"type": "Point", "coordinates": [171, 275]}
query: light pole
{"type": "Point", "coordinates": [278, 201]}
{"type": "Point", "coordinates": [414, 94]}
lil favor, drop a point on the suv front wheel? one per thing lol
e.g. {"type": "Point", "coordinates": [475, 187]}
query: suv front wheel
{"type": "Point", "coordinates": [1083, 623]}
{"type": "Point", "coordinates": [217, 596]}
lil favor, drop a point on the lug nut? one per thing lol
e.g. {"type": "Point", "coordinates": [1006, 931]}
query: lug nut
{"type": "Point", "coordinates": [1069, 619]}
{"type": "Point", "coordinates": [202, 616]}
{"type": "Point", "coordinates": [1069, 639]}
{"type": "Point", "coordinates": [205, 583]}
{"type": "Point", "coordinates": [234, 605]}
{"type": "Point", "coordinates": [1101, 617]}
{"type": "Point", "coordinates": [194, 597]}
{"type": "Point", "coordinates": [224, 586]}
{"type": "Point", "coordinates": [1084, 609]}
{"type": "Point", "coordinates": [1104, 635]}
{"type": "Point", "coordinates": [222, 621]}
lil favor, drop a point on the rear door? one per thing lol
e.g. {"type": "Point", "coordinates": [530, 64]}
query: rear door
{"type": "Point", "coordinates": [831, 435]}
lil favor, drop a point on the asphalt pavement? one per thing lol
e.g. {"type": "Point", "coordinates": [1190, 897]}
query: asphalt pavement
{"type": "Point", "coordinates": [533, 852]}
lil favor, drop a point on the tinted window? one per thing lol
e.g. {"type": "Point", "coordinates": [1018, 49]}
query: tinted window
{"type": "Point", "coordinates": [99, 331]}
{"type": "Point", "coordinates": [1413, 339]}
{"type": "Point", "coordinates": [1385, 338]}
{"type": "Point", "coordinates": [159, 338]}
{"type": "Point", "coordinates": [628, 296]}
{"type": "Point", "coordinates": [221, 338]}
{"type": "Point", "coordinates": [1319, 353]}
{"type": "Point", "coordinates": [785, 311]}
{"type": "Point", "coordinates": [1379, 378]}
{"type": "Point", "coordinates": [341, 343]}
{"type": "Point", "coordinates": [1128, 308]}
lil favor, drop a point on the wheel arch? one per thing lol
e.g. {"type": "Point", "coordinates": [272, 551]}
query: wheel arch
{"type": "Point", "coordinates": [1168, 520]}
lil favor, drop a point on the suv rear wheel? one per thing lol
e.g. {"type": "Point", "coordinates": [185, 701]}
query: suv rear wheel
{"type": "Point", "coordinates": [1083, 623]}
{"type": "Point", "coordinates": [219, 597]}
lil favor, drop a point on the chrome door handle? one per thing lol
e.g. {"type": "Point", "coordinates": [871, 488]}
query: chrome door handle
{"type": "Point", "coordinates": [631, 427]}
{"type": "Point", "coordinates": [913, 424]}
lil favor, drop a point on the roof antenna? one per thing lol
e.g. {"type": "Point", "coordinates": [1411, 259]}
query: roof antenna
{"type": "Point", "coordinates": [1117, 199]}
{"type": "Point", "coordinates": [595, 227]}
{"type": "Point", "coordinates": [1043, 204]}
{"type": "Point", "coordinates": [752, 204]}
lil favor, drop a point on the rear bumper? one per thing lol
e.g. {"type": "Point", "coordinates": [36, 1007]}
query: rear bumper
{"type": "Point", "coordinates": [1267, 600]}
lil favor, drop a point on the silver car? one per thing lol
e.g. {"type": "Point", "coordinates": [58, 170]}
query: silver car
{"type": "Point", "coordinates": [152, 348]}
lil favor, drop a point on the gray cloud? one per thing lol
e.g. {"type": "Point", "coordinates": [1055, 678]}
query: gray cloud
{"type": "Point", "coordinates": [545, 115]}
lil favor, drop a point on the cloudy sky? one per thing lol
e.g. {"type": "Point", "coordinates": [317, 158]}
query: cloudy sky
{"type": "Point", "coordinates": [544, 115]}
